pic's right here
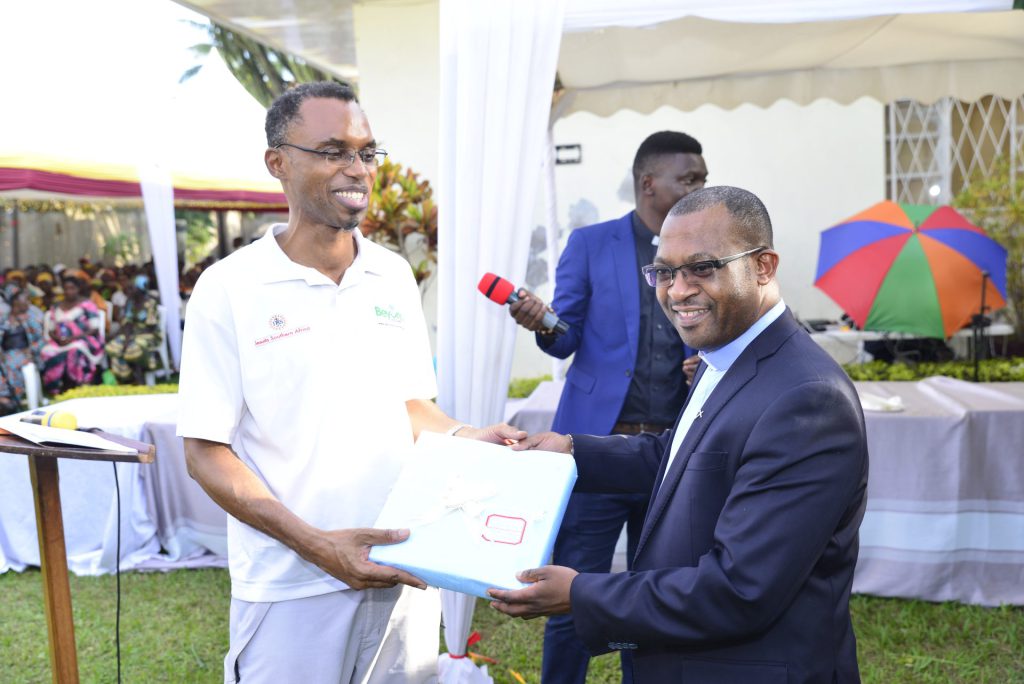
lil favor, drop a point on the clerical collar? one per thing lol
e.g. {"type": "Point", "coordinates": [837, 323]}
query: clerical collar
{"type": "Point", "coordinates": [641, 232]}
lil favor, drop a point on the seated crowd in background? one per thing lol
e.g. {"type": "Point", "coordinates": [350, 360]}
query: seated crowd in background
{"type": "Point", "coordinates": [73, 350]}
{"type": "Point", "coordinates": [135, 347]}
{"type": "Point", "coordinates": [79, 325]}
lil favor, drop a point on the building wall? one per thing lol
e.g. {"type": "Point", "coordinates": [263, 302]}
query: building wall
{"type": "Point", "coordinates": [397, 48]}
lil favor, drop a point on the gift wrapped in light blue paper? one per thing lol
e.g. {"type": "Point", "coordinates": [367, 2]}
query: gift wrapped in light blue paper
{"type": "Point", "coordinates": [477, 513]}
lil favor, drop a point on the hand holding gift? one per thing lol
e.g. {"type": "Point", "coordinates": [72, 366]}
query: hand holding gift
{"type": "Point", "coordinates": [547, 593]}
{"type": "Point", "coordinates": [345, 555]}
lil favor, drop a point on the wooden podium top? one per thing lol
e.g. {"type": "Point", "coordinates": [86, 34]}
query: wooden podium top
{"type": "Point", "coordinates": [144, 453]}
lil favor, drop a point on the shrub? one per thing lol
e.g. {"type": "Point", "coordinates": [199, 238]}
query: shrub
{"type": "Point", "coordinates": [87, 391]}
{"type": "Point", "coordinates": [989, 370]}
{"type": "Point", "coordinates": [520, 388]}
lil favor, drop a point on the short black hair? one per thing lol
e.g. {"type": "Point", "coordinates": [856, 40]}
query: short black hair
{"type": "Point", "coordinates": [74, 280]}
{"type": "Point", "coordinates": [659, 144]}
{"type": "Point", "coordinates": [285, 109]}
{"type": "Point", "coordinates": [747, 211]}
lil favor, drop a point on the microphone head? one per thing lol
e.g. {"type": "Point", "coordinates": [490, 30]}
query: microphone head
{"type": "Point", "coordinates": [496, 288]}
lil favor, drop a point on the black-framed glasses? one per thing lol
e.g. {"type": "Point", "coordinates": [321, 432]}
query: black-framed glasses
{"type": "Point", "coordinates": [370, 156]}
{"type": "Point", "coordinates": [658, 275]}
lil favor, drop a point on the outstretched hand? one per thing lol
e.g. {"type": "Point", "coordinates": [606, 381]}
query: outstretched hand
{"type": "Point", "coordinates": [346, 556]}
{"type": "Point", "coordinates": [499, 433]}
{"type": "Point", "coordinates": [545, 441]}
{"type": "Point", "coordinates": [548, 593]}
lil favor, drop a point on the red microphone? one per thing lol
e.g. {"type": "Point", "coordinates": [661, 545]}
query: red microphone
{"type": "Point", "coordinates": [501, 291]}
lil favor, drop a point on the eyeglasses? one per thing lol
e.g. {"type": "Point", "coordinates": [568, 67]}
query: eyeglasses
{"type": "Point", "coordinates": [663, 276]}
{"type": "Point", "coordinates": [370, 156]}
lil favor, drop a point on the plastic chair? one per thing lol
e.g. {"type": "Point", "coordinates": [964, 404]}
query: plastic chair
{"type": "Point", "coordinates": [162, 350]}
{"type": "Point", "coordinates": [33, 386]}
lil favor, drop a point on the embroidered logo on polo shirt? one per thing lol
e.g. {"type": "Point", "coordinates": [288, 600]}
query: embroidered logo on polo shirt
{"type": "Point", "coordinates": [389, 316]}
{"type": "Point", "coordinates": [277, 323]}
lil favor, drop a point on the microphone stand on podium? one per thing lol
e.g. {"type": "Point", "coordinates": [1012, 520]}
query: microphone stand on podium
{"type": "Point", "coordinates": [979, 324]}
{"type": "Point", "coordinates": [53, 561]}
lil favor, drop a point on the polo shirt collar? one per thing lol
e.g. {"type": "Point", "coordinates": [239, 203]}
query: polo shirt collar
{"type": "Point", "coordinates": [278, 266]}
{"type": "Point", "coordinates": [721, 359]}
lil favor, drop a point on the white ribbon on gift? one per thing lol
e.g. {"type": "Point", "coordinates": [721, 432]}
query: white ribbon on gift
{"type": "Point", "coordinates": [467, 497]}
{"type": "Point", "coordinates": [459, 496]}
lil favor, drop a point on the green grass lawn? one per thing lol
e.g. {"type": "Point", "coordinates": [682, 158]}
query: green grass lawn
{"type": "Point", "coordinates": [174, 629]}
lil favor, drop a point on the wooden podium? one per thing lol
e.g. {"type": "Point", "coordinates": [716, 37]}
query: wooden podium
{"type": "Point", "coordinates": [42, 462]}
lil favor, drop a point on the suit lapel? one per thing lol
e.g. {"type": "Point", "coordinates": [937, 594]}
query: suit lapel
{"type": "Point", "coordinates": [741, 372]}
{"type": "Point", "coordinates": [734, 379]}
{"type": "Point", "coordinates": [624, 257]}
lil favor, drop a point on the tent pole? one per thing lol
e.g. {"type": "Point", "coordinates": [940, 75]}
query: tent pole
{"type": "Point", "coordinates": [553, 231]}
{"type": "Point", "coordinates": [222, 235]}
{"type": "Point", "coordinates": [15, 233]}
{"type": "Point", "coordinates": [980, 322]}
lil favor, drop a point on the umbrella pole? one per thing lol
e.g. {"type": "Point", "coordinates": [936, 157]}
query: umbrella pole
{"type": "Point", "coordinates": [980, 323]}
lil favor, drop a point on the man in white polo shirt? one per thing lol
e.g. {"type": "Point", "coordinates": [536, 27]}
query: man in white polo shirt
{"type": "Point", "coordinates": [306, 371]}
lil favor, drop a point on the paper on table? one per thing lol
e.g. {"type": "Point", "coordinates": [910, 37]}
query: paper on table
{"type": "Point", "coordinates": [50, 436]}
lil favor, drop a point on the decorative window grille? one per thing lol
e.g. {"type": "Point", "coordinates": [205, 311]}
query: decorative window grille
{"type": "Point", "coordinates": [934, 151]}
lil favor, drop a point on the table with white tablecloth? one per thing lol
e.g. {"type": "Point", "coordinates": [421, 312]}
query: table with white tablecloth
{"type": "Point", "coordinates": [945, 512]}
{"type": "Point", "coordinates": [167, 521]}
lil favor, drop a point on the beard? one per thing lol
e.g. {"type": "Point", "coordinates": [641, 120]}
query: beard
{"type": "Point", "coordinates": [349, 225]}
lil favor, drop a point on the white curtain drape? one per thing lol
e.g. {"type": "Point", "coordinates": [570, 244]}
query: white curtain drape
{"type": "Point", "coordinates": [455, 665]}
{"type": "Point", "coordinates": [158, 196]}
{"type": "Point", "coordinates": [497, 74]}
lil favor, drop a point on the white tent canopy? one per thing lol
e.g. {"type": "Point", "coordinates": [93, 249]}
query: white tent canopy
{"type": "Point", "coordinates": [695, 60]}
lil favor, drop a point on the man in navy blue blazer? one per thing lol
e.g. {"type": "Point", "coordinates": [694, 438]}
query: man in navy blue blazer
{"type": "Point", "coordinates": [745, 562]}
{"type": "Point", "coordinates": [627, 375]}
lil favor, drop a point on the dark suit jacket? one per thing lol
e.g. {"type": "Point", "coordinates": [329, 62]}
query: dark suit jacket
{"type": "Point", "coordinates": [744, 566]}
{"type": "Point", "coordinates": [598, 294]}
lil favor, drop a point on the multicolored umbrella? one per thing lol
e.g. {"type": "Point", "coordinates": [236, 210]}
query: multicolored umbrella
{"type": "Point", "coordinates": [911, 268]}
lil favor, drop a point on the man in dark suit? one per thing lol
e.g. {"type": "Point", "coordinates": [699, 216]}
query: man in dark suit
{"type": "Point", "coordinates": [745, 563]}
{"type": "Point", "coordinates": [627, 375]}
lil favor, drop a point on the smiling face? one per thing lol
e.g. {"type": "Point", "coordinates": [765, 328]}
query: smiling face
{"type": "Point", "coordinates": [711, 312]}
{"type": "Point", "coordinates": [320, 192]}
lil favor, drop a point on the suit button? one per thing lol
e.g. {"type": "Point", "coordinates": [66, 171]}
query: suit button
{"type": "Point", "coordinates": [629, 373]}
